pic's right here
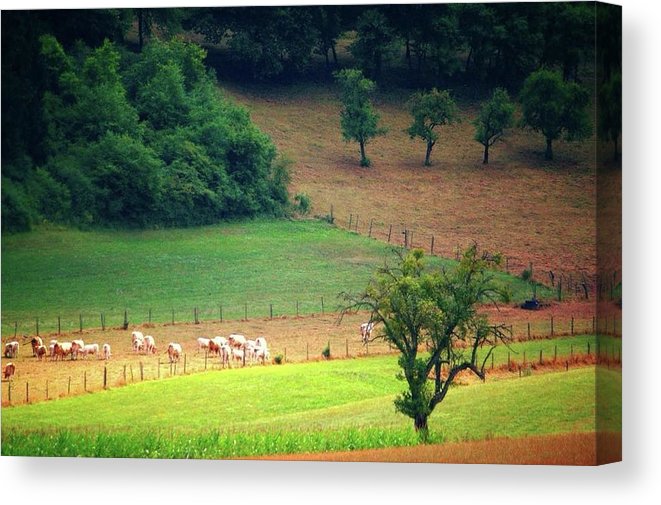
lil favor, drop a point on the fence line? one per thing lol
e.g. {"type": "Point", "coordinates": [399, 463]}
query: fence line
{"type": "Point", "coordinates": [113, 375]}
{"type": "Point", "coordinates": [566, 284]}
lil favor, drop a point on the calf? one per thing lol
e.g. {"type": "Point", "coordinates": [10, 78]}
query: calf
{"type": "Point", "coordinates": [76, 347]}
{"type": "Point", "coordinates": [11, 349]}
{"type": "Point", "coordinates": [105, 352]}
{"type": "Point", "coordinates": [8, 371]}
{"type": "Point", "coordinates": [366, 331]}
{"type": "Point", "coordinates": [40, 352]}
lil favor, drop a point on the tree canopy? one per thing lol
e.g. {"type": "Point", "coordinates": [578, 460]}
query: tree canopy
{"type": "Point", "coordinates": [358, 120]}
{"type": "Point", "coordinates": [555, 108]}
{"type": "Point", "coordinates": [135, 140]}
{"type": "Point", "coordinates": [494, 117]}
{"type": "Point", "coordinates": [430, 110]}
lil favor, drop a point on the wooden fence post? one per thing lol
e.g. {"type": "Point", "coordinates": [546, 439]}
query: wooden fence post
{"type": "Point", "coordinates": [572, 325]}
{"type": "Point", "coordinates": [221, 313]}
{"type": "Point", "coordinates": [85, 381]}
{"type": "Point", "coordinates": [555, 353]}
{"type": "Point", "coordinates": [206, 355]}
{"type": "Point", "coordinates": [131, 370]}
{"type": "Point", "coordinates": [508, 360]}
{"type": "Point", "coordinates": [46, 389]}
{"type": "Point", "coordinates": [185, 363]}
{"type": "Point", "coordinates": [69, 386]}
{"type": "Point", "coordinates": [370, 232]}
{"type": "Point", "coordinates": [528, 330]}
{"type": "Point", "coordinates": [9, 391]}
{"type": "Point", "coordinates": [356, 223]}
{"type": "Point", "coordinates": [346, 347]}
{"type": "Point", "coordinates": [27, 392]}
{"type": "Point", "coordinates": [524, 357]}
{"type": "Point", "coordinates": [105, 377]}
{"type": "Point", "coordinates": [37, 321]}
{"type": "Point", "coordinates": [296, 308]}
{"type": "Point", "coordinates": [431, 248]}
{"type": "Point", "coordinates": [540, 356]}
{"type": "Point", "coordinates": [307, 352]}
{"type": "Point", "coordinates": [551, 325]}
{"type": "Point", "coordinates": [172, 317]}
{"type": "Point", "coordinates": [491, 361]}
{"type": "Point", "coordinates": [126, 319]}
{"type": "Point", "coordinates": [124, 374]}
{"type": "Point", "coordinates": [245, 310]}
{"type": "Point", "coordinates": [285, 358]}
{"type": "Point", "coordinates": [142, 372]}
{"type": "Point", "coordinates": [149, 318]}
{"type": "Point", "coordinates": [389, 233]}
{"type": "Point", "coordinates": [80, 316]}
{"type": "Point", "coordinates": [271, 309]}
{"type": "Point", "coordinates": [588, 348]}
{"type": "Point", "coordinates": [322, 304]}
{"type": "Point", "coordinates": [103, 323]}
{"type": "Point", "coordinates": [58, 325]}
{"type": "Point", "coordinates": [350, 221]}
{"type": "Point", "coordinates": [16, 328]}
{"type": "Point", "coordinates": [332, 219]}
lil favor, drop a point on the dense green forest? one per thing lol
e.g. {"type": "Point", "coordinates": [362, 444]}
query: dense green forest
{"type": "Point", "coordinates": [110, 118]}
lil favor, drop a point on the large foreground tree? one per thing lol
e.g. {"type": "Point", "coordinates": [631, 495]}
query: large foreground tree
{"type": "Point", "coordinates": [431, 317]}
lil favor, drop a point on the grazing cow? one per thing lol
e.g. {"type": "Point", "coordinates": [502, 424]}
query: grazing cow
{"type": "Point", "coordinates": [214, 348]}
{"type": "Point", "coordinates": [366, 331]}
{"type": "Point", "coordinates": [89, 349]}
{"type": "Point", "coordinates": [76, 347]}
{"type": "Point", "coordinates": [149, 344]}
{"type": "Point", "coordinates": [61, 350]}
{"type": "Point", "coordinates": [174, 351]}
{"type": "Point", "coordinates": [11, 349]}
{"type": "Point", "coordinates": [261, 342]}
{"type": "Point", "coordinates": [225, 353]}
{"type": "Point", "coordinates": [136, 335]}
{"type": "Point", "coordinates": [9, 371]}
{"type": "Point", "coordinates": [262, 353]}
{"type": "Point", "coordinates": [51, 349]}
{"type": "Point", "coordinates": [236, 340]}
{"type": "Point", "coordinates": [106, 351]}
{"type": "Point", "coordinates": [249, 349]}
{"type": "Point", "coordinates": [237, 354]}
{"type": "Point", "coordinates": [36, 342]}
{"type": "Point", "coordinates": [203, 344]}
{"type": "Point", "coordinates": [40, 352]}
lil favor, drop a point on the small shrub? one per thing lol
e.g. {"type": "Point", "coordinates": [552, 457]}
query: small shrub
{"type": "Point", "coordinates": [526, 275]}
{"type": "Point", "coordinates": [278, 359]}
{"type": "Point", "coordinates": [303, 204]}
{"type": "Point", "coordinates": [326, 352]}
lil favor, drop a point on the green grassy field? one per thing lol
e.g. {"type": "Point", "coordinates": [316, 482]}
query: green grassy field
{"type": "Point", "coordinates": [53, 272]}
{"type": "Point", "coordinates": [336, 405]}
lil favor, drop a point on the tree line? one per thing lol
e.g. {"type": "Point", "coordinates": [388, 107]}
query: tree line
{"type": "Point", "coordinates": [550, 106]}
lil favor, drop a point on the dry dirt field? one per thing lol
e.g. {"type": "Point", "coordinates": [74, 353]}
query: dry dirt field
{"type": "Point", "coordinates": [529, 209]}
{"type": "Point", "coordinates": [563, 449]}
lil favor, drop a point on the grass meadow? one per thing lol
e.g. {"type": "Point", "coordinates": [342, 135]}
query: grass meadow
{"type": "Point", "coordinates": [309, 407]}
{"type": "Point", "coordinates": [62, 272]}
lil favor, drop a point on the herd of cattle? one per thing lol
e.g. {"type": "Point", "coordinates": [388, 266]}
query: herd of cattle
{"type": "Point", "coordinates": [233, 349]}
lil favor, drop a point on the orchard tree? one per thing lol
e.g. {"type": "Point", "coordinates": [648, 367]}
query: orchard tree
{"type": "Point", "coordinates": [430, 110]}
{"type": "Point", "coordinates": [358, 120]}
{"type": "Point", "coordinates": [495, 116]}
{"type": "Point", "coordinates": [555, 108]}
{"type": "Point", "coordinates": [431, 318]}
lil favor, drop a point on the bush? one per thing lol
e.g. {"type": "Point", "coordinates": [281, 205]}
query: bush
{"type": "Point", "coordinates": [278, 359]}
{"type": "Point", "coordinates": [326, 352]}
{"type": "Point", "coordinates": [526, 275]}
{"type": "Point", "coordinates": [303, 204]}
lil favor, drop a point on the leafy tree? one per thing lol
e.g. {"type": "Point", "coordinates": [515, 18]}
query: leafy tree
{"type": "Point", "coordinates": [429, 110]}
{"type": "Point", "coordinates": [610, 111]}
{"type": "Point", "coordinates": [376, 42]}
{"type": "Point", "coordinates": [358, 120]}
{"type": "Point", "coordinates": [495, 116]}
{"type": "Point", "coordinates": [431, 318]}
{"type": "Point", "coordinates": [555, 108]}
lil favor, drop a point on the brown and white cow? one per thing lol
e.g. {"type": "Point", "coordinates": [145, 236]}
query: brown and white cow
{"type": "Point", "coordinates": [366, 331]}
{"type": "Point", "coordinates": [174, 351]}
{"type": "Point", "coordinates": [105, 352]}
{"type": "Point", "coordinates": [36, 342]}
{"type": "Point", "coordinates": [40, 352]}
{"type": "Point", "coordinates": [8, 371]}
{"type": "Point", "coordinates": [62, 349]}
{"type": "Point", "coordinates": [11, 349]}
{"type": "Point", "coordinates": [76, 347]}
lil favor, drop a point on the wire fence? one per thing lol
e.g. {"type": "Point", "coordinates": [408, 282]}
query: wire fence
{"type": "Point", "coordinates": [582, 284]}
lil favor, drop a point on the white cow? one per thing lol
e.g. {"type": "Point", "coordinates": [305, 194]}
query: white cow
{"type": "Point", "coordinates": [51, 349]}
{"type": "Point", "coordinates": [224, 354]}
{"type": "Point", "coordinates": [203, 344]}
{"type": "Point", "coordinates": [366, 331]}
{"type": "Point", "coordinates": [76, 347]}
{"type": "Point", "coordinates": [262, 353]}
{"type": "Point", "coordinates": [149, 344]}
{"type": "Point", "coordinates": [249, 349]}
{"type": "Point", "coordinates": [137, 341]}
{"type": "Point", "coordinates": [89, 349]}
{"type": "Point", "coordinates": [105, 352]}
{"type": "Point", "coordinates": [11, 349]}
{"type": "Point", "coordinates": [236, 340]}
{"type": "Point", "coordinates": [174, 351]}
{"type": "Point", "coordinates": [237, 354]}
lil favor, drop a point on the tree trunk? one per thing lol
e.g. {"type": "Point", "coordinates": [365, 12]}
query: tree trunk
{"type": "Point", "coordinates": [327, 60]}
{"type": "Point", "coordinates": [485, 161]}
{"type": "Point", "coordinates": [334, 53]}
{"type": "Point", "coordinates": [428, 155]}
{"type": "Point", "coordinates": [549, 149]}
{"type": "Point", "coordinates": [408, 53]}
{"type": "Point", "coordinates": [420, 425]}
{"type": "Point", "coordinates": [363, 158]}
